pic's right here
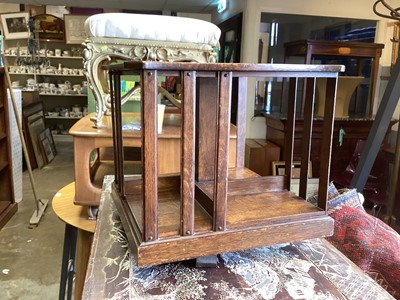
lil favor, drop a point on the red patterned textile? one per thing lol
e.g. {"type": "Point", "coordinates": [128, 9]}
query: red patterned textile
{"type": "Point", "coordinates": [369, 243]}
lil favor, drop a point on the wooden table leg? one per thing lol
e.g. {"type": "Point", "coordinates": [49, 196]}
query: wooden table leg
{"type": "Point", "coordinates": [83, 245]}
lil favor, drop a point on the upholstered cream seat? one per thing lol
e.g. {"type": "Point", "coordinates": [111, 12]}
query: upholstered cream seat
{"type": "Point", "coordinates": [125, 36]}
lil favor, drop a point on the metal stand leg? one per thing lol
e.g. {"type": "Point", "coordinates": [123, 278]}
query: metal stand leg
{"type": "Point", "coordinates": [379, 127]}
{"type": "Point", "coordinates": [390, 218]}
{"type": "Point", "coordinates": [68, 262]}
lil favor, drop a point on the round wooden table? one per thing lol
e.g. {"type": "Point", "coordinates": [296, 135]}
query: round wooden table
{"type": "Point", "coordinates": [77, 240]}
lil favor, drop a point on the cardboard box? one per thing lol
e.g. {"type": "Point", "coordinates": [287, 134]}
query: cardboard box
{"type": "Point", "coordinates": [29, 97]}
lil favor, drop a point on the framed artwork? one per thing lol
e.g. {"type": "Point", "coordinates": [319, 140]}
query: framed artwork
{"type": "Point", "coordinates": [34, 129]}
{"type": "Point", "coordinates": [30, 113]}
{"type": "Point", "coordinates": [75, 29]}
{"type": "Point", "coordinates": [15, 25]}
{"type": "Point", "coordinates": [278, 168]}
{"type": "Point", "coordinates": [48, 146]}
{"type": "Point", "coordinates": [50, 28]}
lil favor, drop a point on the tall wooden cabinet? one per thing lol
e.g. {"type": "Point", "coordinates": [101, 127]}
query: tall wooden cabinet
{"type": "Point", "coordinates": [8, 207]}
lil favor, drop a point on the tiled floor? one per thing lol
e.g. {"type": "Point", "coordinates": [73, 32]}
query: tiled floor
{"type": "Point", "coordinates": [30, 258]}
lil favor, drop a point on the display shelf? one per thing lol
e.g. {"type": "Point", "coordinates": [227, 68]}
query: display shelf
{"type": "Point", "coordinates": [64, 64]}
{"type": "Point", "coordinates": [209, 207]}
{"type": "Point", "coordinates": [72, 72]}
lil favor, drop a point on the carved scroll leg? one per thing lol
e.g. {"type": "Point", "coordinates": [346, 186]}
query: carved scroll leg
{"type": "Point", "coordinates": [95, 57]}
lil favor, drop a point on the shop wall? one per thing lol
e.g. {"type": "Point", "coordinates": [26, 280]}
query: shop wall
{"type": "Point", "coordinates": [8, 7]}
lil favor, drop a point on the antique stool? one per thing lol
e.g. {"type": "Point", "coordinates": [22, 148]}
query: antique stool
{"type": "Point", "coordinates": [125, 36]}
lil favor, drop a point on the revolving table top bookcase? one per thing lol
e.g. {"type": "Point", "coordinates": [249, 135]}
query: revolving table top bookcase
{"type": "Point", "coordinates": [209, 208]}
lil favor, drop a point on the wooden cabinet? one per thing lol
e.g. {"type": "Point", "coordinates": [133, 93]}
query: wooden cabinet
{"type": "Point", "coordinates": [8, 207]}
{"type": "Point", "coordinates": [350, 129]}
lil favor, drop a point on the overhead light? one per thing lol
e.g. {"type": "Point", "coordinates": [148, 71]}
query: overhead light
{"type": "Point", "coordinates": [221, 5]}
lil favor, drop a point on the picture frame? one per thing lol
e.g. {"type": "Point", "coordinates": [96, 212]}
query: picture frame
{"type": "Point", "coordinates": [35, 127]}
{"type": "Point", "coordinates": [15, 25]}
{"type": "Point", "coordinates": [47, 149]}
{"type": "Point", "coordinates": [278, 169]}
{"type": "Point", "coordinates": [75, 28]}
{"type": "Point", "coordinates": [48, 146]}
{"type": "Point", "coordinates": [30, 113]}
{"type": "Point", "coordinates": [49, 28]}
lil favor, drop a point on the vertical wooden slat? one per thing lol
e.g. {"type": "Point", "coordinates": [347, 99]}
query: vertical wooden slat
{"type": "Point", "coordinates": [307, 61]}
{"type": "Point", "coordinates": [374, 74]}
{"type": "Point", "coordinates": [187, 160]}
{"type": "Point", "coordinates": [357, 92]}
{"type": "Point", "coordinates": [114, 126]}
{"type": "Point", "coordinates": [241, 122]}
{"type": "Point", "coordinates": [149, 154]}
{"type": "Point", "coordinates": [222, 148]}
{"type": "Point", "coordinates": [120, 155]}
{"type": "Point", "coordinates": [207, 95]}
{"type": "Point", "coordinates": [289, 137]}
{"type": "Point", "coordinates": [326, 147]}
{"type": "Point", "coordinates": [307, 136]}
{"type": "Point", "coordinates": [118, 132]}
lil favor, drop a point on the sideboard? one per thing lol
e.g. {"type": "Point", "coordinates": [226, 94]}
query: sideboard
{"type": "Point", "coordinates": [351, 130]}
